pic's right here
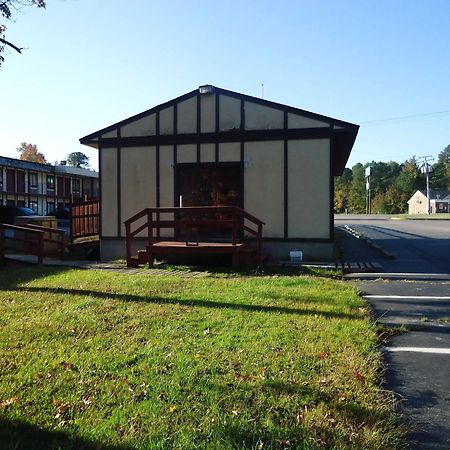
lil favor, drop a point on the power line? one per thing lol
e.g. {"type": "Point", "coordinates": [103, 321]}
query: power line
{"type": "Point", "coordinates": [415, 116]}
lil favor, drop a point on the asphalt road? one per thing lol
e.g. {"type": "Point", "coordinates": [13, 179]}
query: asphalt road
{"type": "Point", "coordinates": [415, 292]}
{"type": "Point", "coordinates": [419, 246]}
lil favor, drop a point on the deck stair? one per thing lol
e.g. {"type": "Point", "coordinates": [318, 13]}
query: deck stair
{"type": "Point", "coordinates": [240, 234]}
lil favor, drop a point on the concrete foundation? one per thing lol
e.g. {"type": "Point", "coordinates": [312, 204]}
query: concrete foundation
{"type": "Point", "coordinates": [112, 249]}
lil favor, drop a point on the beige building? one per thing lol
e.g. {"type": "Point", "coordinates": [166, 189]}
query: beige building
{"type": "Point", "coordinates": [217, 147]}
{"type": "Point", "coordinates": [439, 202]}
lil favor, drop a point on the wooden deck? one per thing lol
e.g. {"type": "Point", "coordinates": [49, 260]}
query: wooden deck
{"type": "Point", "coordinates": [189, 220]}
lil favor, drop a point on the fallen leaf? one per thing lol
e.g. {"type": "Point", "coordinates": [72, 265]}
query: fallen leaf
{"type": "Point", "coordinates": [358, 375]}
{"type": "Point", "coordinates": [9, 401]}
{"type": "Point", "coordinates": [173, 408]}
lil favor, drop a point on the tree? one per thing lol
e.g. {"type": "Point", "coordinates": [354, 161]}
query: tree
{"type": "Point", "coordinates": [342, 191]}
{"type": "Point", "coordinates": [77, 159]}
{"type": "Point", "coordinates": [29, 152]}
{"type": "Point", "coordinates": [440, 177]}
{"type": "Point", "coordinates": [358, 190]}
{"type": "Point", "coordinates": [7, 10]}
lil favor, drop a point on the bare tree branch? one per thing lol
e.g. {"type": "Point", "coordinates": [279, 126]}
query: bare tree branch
{"type": "Point", "coordinates": [17, 49]}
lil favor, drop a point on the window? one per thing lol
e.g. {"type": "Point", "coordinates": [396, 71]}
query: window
{"type": "Point", "coordinates": [50, 207]}
{"type": "Point", "coordinates": [33, 180]}
{"type": "Point", "coordinates": [51, 182]}
{"type": "Point", "coordinates": [34, 206]}
{"type": "Point", "coordinates": [1, 179]}
{"type": "Point", "coordinates": [76, 186]}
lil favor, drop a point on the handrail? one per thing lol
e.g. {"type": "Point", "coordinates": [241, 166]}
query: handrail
{"type": "Point", "coordinates": [59, 242]}
{"type": "Point", "coordinates": [37, 244]}
{"type": "Point", "coordinates": [155, 224]}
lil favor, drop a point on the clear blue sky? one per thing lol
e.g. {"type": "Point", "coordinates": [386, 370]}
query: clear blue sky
{"type": "Point", "coordinates": [91, 63]}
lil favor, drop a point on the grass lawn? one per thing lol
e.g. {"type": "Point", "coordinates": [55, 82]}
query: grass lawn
{"type": "Point", "coordinates": [437, 216]}
{"type": "Point", "coordinates": [92, 359]}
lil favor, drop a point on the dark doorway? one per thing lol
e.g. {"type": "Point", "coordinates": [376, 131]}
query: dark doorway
{"type": "Point", "coordinates": [209, 184]}
{"type": "Point", "coordinates": [213, 184]}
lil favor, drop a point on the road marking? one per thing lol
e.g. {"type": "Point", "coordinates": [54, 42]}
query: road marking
{"type": "Point", "coordinates": [442, 351]}
{"type": "Point", "coordinates": [412, 297]}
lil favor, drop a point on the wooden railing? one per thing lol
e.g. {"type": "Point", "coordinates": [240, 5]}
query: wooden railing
{"type": "Point", "coordinates": [85, 219]}
{"type": "Point", "coordinates": [53, 238]}
{"type": "Point", "coordinates": [21, 239]}
{"type": "Point", "coordinates": [32, 239]}
{"type": "Point", "coordinates": [191, 219]}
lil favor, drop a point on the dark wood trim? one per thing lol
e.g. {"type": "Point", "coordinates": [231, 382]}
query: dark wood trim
{"type": "Point", "coordinates": [220, 91]}
{"type": "Point", "coordinates": [242, 121]}
{"type": "Point", "coordinates": [285, 179]}
{"type": "Point", "coordinates": [224, 136]}
{"type": "Point", "coordinates": [157, 132]}
{"type": "Point", "coordinates": [158, 177]}
{"type": "Point", "coordinates": [100, 162]}
{"type": "Point", "coordinates": [175, 176]}
{"type": "Point", "coordinates": [216, 152]}
{"type": "Point", "coordinates": [119, 185]}
{"type": "Point", "coordinates": [332, 168]}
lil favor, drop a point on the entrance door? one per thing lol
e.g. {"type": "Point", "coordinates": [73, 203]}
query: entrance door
{"type": "Point", "coordinates": [210, 184]}
{"type": "Point", "coordinates": [214, 184]}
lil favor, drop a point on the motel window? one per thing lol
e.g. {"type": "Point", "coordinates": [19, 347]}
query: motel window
{"type": "Point", "coordinates": [50, 207]}
{"type": "Point", "coordinates": [1, 179]}
{"type": "Point", "coordinates": [51, 182]}
{"type": "Point", "coordinates": [34, 206]}
{"type": "Point", "coordinates": [33, 180]}
{"type": "Point", "coordinates": [76, 186]}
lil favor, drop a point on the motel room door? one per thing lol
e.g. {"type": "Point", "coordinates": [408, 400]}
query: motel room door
{"type": "Point", "coordinates": [209, 184]}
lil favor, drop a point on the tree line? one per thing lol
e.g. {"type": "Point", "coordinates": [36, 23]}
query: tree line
{"type": "Point", "coordinates": [391, 184]}
{"type": "Point", "coordinates": [30, 152]}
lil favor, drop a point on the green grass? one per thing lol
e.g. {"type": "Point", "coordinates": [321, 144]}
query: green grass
{"type": "Point", "coordinates": [437, 216]}
{"type": "Point", "coordinates": [92, 359]}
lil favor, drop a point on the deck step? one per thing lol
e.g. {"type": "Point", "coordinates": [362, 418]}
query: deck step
{"type": "Point", "coordinates": [133, 262]}
{"type": "Point", "coordinates": [142, 256]}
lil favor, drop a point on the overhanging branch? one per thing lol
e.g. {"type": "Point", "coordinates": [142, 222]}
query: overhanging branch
{"type": "Point", "coordinates": [17, 49]}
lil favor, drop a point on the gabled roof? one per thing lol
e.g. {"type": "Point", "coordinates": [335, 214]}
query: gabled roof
{"type": "Point", "coordinates": [434, 195]}
{"type": "Point", "coordinates": [344, 132]}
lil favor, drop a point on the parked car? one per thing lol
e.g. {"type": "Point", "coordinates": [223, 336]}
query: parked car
{"type": "Point", "coordinates": [62, 215]}
{"type": "Point", "coordinates": [9, 213]}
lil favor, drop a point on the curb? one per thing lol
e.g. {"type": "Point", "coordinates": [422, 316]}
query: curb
{"type": "Point", "coordinates": [386, 254]}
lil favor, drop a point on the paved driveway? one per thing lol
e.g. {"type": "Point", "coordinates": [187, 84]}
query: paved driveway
{"type": "Point", "coordinates": [420, 246]}
{"type": "Point", "coordinates": [415, 292]}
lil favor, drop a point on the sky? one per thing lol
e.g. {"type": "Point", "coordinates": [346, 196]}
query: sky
{"type": "Point", "coordinates": [383, 65]}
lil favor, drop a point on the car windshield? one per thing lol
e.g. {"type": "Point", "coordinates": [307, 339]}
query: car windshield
{"type": "Point", "coordinates": [22, 211]}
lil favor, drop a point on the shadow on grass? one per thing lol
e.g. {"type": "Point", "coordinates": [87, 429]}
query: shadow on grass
{"type": "Point", "coordinates": [187, 302]}
{"type": "Point", "coordinates": [19, 435]}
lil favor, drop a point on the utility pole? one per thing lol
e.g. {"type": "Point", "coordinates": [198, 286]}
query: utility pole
{"type": "Point", "coordinates": [426, 169]}
{"type": "Point", "coordinates": [368, 202]}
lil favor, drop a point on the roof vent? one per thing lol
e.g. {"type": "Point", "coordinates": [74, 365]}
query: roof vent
{"type": "Point", "coordinates": [206, 89]}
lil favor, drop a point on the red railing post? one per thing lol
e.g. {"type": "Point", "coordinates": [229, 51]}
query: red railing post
{"type": "Point", "coordinates": [150, 226]}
